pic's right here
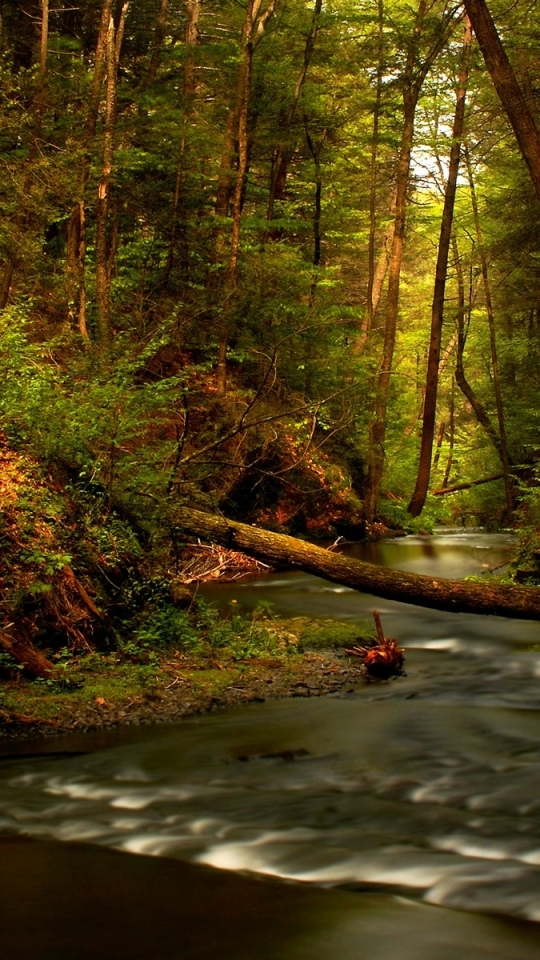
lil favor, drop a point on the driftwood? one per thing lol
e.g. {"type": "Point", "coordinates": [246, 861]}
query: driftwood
{"type": "Point", "coordinates": [438, 593]}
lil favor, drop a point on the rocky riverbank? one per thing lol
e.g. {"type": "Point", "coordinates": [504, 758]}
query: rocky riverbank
{"type": "Point", "coordinates": [102, 692]}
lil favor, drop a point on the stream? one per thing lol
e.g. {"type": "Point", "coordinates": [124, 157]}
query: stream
{"type": "Point", "coordinates": [391, 821]}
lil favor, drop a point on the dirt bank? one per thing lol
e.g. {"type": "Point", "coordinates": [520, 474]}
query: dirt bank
{"type": "Point", "coordinates": [100, 692]}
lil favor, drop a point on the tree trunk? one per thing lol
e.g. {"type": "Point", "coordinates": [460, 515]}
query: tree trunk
{"type": "Point", "coordinates": [460, 378]}
{"type": "Point", "coordinates": [244, 87]}
{"type": "Point", "coordinates": [507, 87]}
{"type": "Point", "coordinates": [370, 305]}
{"type": "Point", "coordinates": [252, 32]}
{"type": "Point", "coordinates": [191, 39]}
{"type": "Point", "coordinates": [412, 82]}
{"type": "Point", "coordinates": [103, 274]}
{"type": "Point", "coordinates": [315, 150]}
{"type": "Point", "coordinates": [451, 438]}
{"type": "Point", "coordinates": [377, 426]}
{"type": "Point", "coordinates": [439, 594]}
{"type": "Point", "coordinates": [492, 341]}
{"type": "Point", "coordinates": [157, 43]}
{"type": "Point", "coordinates": [418, 498]}
{"type": "Point", "coordinates": [76, 241]}
{"type": "Point", "coordinates": [280, 160]}
{"type": "Point", "coordinates": [25, 653]}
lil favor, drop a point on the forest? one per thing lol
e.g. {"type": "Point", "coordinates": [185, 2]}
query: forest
{"type": "Point", "coordinates": [268, 259]}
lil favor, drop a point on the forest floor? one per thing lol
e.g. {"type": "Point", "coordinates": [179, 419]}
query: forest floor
{"type": "Point", "coordinates": [100, 691]}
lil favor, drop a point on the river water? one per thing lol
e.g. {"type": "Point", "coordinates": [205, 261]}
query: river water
{"type": "Point", "coordinates": [395, 820]}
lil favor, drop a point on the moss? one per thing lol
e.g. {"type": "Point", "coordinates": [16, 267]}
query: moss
{"type": "Point", "coordinates": [325, 634]}
{"type": "Point", "coordinates": [107, 688]}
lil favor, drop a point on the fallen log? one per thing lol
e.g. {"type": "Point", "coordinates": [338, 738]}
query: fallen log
{"type": "Point", "coordinates": [438, 593]}
{"type": "Point", "coordinates": [25, 653]}
{"type": "Point", "coordinates": [442, 491]}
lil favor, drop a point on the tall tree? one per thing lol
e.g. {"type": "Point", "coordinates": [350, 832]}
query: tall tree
{"type": "Point", "coordinates": [463, 319]}
{"type": "Point", "coordinates": [371, 293]}
{"type": "Point", "coordinates": [503, 445]}
{"type": "Point", "coordinates": [280, 158]}
{"type": "Point", "coordinates": [415, 72]}
{"type": "Point", "coordinates": [103, 261]}
{"type": "Point", "coordinates": [255, 23]}
{"type": "Point", "coordinates": [507, 87]}
{"type": "Point", "coordinates": [418, 498]}
{"type": "Point", "coordinates": [76, 236]}
{"type": "Point", "coordinates": [191, 38]}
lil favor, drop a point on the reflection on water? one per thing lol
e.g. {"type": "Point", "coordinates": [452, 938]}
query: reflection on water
{"type": "Point", "coordinates": [426, 788]}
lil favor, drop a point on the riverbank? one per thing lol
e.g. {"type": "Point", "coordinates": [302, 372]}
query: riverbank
{"type": "Point", "coordinates": [102, 691]}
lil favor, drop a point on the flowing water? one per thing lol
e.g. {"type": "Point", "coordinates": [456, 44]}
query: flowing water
{"type": "Point", "coordinates": [419, 797]}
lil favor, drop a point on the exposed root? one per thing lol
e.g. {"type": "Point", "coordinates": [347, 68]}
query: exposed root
{"type": "Point", "coordinates": [382, 658]}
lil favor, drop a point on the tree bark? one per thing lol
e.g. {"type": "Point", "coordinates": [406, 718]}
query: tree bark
{"type": "Point", "coordinates": [103, 272]}
{"type": "Point", "coordinates": [460, 378]}
{"type": "Point", "coordinates": [23, 651]}
{"type": "Point", "coordinates": [315, 150]}
{"type": "Point", "coordinates": [373, 164]}
{"type": "Point", "coordinates": [438, 594]}
{"type": "Point", "coordinates": [418, 498]}
{"type": "Point", "coordinates": [76, 242]}
{"type": "Point", "coordinates": [507, 87]}
{"type": "Point", "coordinates": [252, 32]}
{"type": "Point", "coordinates": [413, 79]}
{"type": "Point", "coordinates": [492, 341]}
{"type": "Point", "coordinates": [451, 437]}
{"type": "Point", "coordinates": [280, 160]}
{"type": "Point", "coordinates": [377, 426]}
{"type": "Point", "coordinates": [191, 39]}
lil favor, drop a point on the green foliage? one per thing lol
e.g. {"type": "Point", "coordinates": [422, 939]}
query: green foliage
{"type": "Point", "coordinates": [202, 630]}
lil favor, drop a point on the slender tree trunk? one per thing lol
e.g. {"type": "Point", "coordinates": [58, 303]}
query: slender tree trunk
{"type": "Point", "coordinates": [460, 377]}
{"type": "Point", "coordinates": [413, 79]}
{"type": "Point", "coordinates": [103, 271]}
{"type": "Point", "coordinates": [280, 160]}
{"type": "Point", "coordinates": [437, 313]}
{"type": "Point", "coordinates": [315, 150]}
{"type": "Point", "coordinates": [76, 241]}
{"type": "Point", "coordinates": [451, 436]}
{"type": "Point", "coordinates": [252, 32]}
{"type": "Point", "coordinates": [230, 276]}
{"type": "Point", "coordinates": [377, 426]}
{"type": "Point", "coordinates": [492, 341]}
{"type": "Point", "coordinates": [370, 299]}
{"type": "Point", "coordinates": [190, 87]}
{"type": "Point", "coordinates": [275, 548]}
{"type": "Point", "coordinates": [157, 43]}
{"type": "Point", "coordinates": [440, 437]}
{"type": "Point", "coordinates": [507, 87]}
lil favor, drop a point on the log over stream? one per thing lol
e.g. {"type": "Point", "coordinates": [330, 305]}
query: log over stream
{"type": "Point", "coordinates": [440, 594]}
